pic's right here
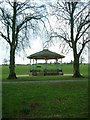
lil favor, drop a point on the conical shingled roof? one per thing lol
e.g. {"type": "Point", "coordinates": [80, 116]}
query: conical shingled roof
{"type": "Point", "coordinates": [45, 54]}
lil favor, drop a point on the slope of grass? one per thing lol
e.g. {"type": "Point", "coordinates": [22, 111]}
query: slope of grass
{"type": "Point", "coordinates": [60, 100]}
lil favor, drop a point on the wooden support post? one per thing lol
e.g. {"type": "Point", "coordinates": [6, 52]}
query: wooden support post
{"type": "Point", "coordinates": [45, 67]}
{"type": "Point", "coordinates": [30, 72]}
{"type": "Point", "coordinates": [57, 64]}
{"type": "Point", "coordinates": [30, 65]}
{"type": "Point", "coordinates": [33, 65]}
{"type": "Point", "coordinates": [36, 64]}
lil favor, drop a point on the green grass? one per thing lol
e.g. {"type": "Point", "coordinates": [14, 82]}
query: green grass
{"type": "Point", "coordinates": [20, 70]}
{"type": "Point", "coordinates": [60, 100]}
{"type": "Point", "coordinates": [24, 70]}
{"type": "Point", "coordinates": [55, 100]}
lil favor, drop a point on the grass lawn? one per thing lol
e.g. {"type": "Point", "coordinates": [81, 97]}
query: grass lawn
{"type": "Point", "coordinates": [49, 100]}
{"type": "Point", "coordinates": [24, 70]}
{"type": "Point", "coordinates": [38, 100]}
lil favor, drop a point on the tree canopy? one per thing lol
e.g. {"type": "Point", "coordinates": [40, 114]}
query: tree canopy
{"type": "Point", "coordinates": [18, 19]}
{"type": "Point", "coordinates": [72, 25]}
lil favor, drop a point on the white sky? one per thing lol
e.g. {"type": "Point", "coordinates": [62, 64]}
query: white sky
{"type": "Point", "coordinates": [36, 46]}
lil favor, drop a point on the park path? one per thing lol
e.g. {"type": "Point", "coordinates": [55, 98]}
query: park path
{"type": "Point", "coordinates": [28, 75]}
{"type": "Point", "coordinates": [41, 81]}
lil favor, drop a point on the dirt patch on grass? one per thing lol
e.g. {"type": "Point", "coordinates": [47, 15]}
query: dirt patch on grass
{"type": "Point", "coordinates": [34, 105]}
{"type": "Point", "coordinates": [28, 108]}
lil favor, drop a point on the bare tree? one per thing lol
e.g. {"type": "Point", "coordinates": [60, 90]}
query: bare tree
{"type": "Point", "coordinates": [73, 22]}
{"type": "Point", "coordinates": [15, 19]}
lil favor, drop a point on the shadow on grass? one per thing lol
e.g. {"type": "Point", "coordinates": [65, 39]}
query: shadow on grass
{"type": "Point", "coordinates": [54, 118]}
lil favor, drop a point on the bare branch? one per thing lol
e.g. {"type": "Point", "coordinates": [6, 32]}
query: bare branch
{"type": "Point", "coordinates": [10, 3]}
{"type": "Point", "coordinates": [77, 16]}
{"type": "Point", "coordinates": [83, 32]}
{"type": "Point", "coordinates": [6, 38]}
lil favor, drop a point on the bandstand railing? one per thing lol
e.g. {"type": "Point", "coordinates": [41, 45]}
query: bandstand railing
{"type": "Point", "coordinates": [37, 70]}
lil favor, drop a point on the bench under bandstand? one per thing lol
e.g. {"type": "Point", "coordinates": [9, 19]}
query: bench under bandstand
{"type": "Point", "coordinates": [46, 55]}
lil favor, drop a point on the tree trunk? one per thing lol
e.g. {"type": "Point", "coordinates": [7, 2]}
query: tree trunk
{"type": "Point", "coordinates": [76, 56]}
{"type": "Point", "coordinates": [76, 66]}
{"type": "Point", "coordinates": [12, 74]}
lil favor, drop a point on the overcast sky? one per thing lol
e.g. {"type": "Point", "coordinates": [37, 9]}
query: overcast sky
{"type": "Point", "coordinates": [36, 46]}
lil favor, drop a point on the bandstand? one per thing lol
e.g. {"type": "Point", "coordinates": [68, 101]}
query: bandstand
{"type": "Point", "coordinates": [46, 55]}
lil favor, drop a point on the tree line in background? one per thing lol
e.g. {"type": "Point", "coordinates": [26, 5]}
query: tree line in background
{"type": "Point", "coordinates": [20, 19]}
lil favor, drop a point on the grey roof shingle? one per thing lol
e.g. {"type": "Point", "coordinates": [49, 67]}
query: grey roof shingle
{"type": "Point", "coordinates": [45, 54]}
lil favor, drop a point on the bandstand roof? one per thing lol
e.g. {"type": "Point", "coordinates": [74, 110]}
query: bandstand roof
{"type": "Point", "coordinates": [45, 54]}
